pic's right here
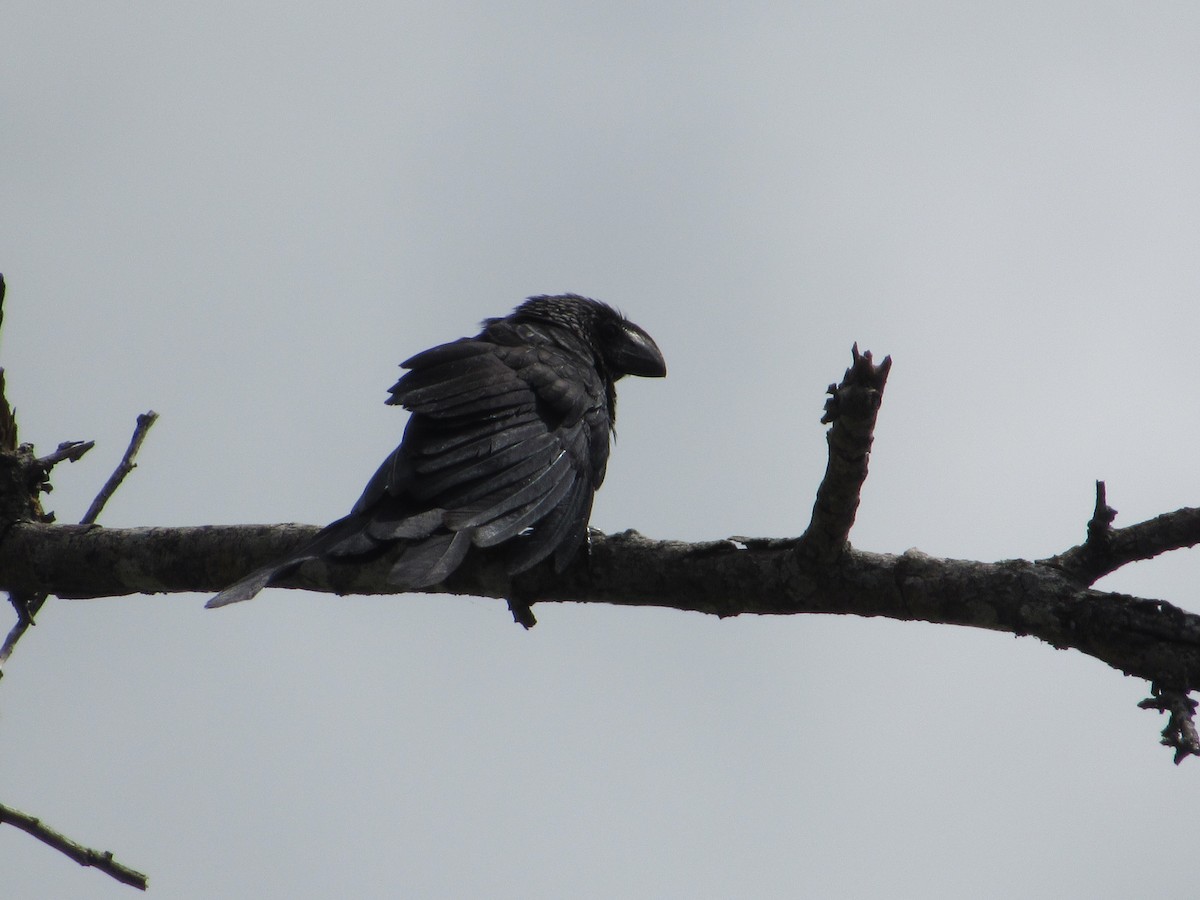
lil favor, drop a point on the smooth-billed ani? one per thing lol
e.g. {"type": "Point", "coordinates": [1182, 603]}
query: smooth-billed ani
{"type": "Point", "coordinates": [509, 436]}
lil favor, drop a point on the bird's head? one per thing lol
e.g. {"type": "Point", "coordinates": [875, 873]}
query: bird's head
{"type": "Point", "coordinates": [623, 347]}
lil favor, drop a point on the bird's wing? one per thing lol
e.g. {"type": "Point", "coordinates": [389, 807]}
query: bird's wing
{"type": "Point", "coordinates": [506, 434]}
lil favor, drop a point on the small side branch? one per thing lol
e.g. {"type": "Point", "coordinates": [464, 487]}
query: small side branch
{"type": "Point", "coordinates": [851, 410]}
{"type": "Point", "coordinates": [69, 451]}
{"type": "Point", "coordinates": [85, 856]}
{"type": "Point", "coordinates": [1108, 549]}
{"type": "Point", "coordinates": [127, 465]}
{"type": "Point", "coordinates": [1100, 527]}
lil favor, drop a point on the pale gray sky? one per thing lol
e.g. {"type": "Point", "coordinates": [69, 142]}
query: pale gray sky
{"type": "Point", "coordinates": [244, 215]}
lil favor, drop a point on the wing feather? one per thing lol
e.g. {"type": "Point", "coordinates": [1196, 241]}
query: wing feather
{"type": "Point", "coordinates": [430, 561]}
{"type": "Point", "coordinates": [470, 452]}
{"type": "Point", "coordinates": [501, 502]}
{"type": "Point", "coordinates": [560, 532]}
{"type": "Point", "coordinates": [457, 486]}
{"type": "Point", "coordinates": [519, 518]}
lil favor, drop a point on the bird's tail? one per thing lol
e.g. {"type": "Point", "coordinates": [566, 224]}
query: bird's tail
{"type": "Point", "coordinates": [334, 534]}
{"type": "Point", "coordinates": [248, 587]}
{"type": "Point", "coordinates": [429, 558]}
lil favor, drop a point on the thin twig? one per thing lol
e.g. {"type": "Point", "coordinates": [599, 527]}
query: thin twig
{"type": "Point", "coordinates": [27, 607]}
{"type": "Point", "coordinates": [127, 465]}
{"type": "Point", "coordinates": [1113, 548]}
{"type": "Point", "coordinates": [85, 856]}
{"type": "Point", "coordinates": [67, 450]}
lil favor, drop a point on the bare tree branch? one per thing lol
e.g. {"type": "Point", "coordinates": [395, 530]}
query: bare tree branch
{"type": "Point", "coordinates": [85, 856]}
{"type": "Point", "coordinates": [1148, 638]}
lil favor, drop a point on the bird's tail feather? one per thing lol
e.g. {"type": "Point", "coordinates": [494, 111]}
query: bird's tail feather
{"type": "Point", "coordinates": [248, 587]}
{"type": "Point", "coordinates": [327, 539]}
{"type": "Point", "coordinates": [429, 559]}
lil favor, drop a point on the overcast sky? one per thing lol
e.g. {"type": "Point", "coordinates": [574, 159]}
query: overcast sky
{"type": "Point", "coordinates": [245, 215]}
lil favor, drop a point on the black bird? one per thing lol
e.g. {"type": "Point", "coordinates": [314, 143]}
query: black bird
{"type": "Point", "coordinates": [509, 435]}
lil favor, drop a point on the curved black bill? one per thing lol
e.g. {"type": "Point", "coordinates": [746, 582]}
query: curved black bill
{"type": "Point", "coordinates": [637, 354]}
